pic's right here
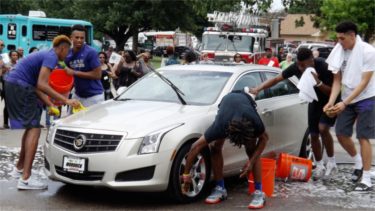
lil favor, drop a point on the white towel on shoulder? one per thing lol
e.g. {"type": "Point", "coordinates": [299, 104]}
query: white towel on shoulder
{"type": "Point", "coordinates": [354, 65]}
{"type": "Point", "coordinates": [306, 86]}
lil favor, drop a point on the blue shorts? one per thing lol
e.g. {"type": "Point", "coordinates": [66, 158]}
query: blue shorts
{"type": "Point", "coordinates": [364, 113]}
{"type": "Point", "coordinates": [24, 106]}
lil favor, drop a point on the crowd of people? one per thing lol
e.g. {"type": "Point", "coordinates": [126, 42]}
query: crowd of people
{"type": "Point", "coordinates": [345, 90]}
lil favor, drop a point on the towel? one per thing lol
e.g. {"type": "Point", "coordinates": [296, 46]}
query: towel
{"type": "Point", "coordinates": [306, 86]}
{"type": "Point", "coordinates": [353, 70]}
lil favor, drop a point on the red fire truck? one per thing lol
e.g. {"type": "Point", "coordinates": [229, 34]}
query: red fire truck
{"type": "Point", "coordinates": [234, 33]}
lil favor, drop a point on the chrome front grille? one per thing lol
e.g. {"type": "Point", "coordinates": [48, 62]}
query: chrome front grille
{"type": "Point", "coordinates": [94, 142]}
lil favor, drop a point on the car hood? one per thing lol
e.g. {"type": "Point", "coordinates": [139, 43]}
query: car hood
{"type": "Point", "coordinates": [136, 118]}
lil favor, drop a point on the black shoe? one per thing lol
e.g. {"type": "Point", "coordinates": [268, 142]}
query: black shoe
{"type": "Point", "coordinates": [361, 187]}
{"type": "Point", "coordinates": [357, 175]}
{"type": "Point", "coordinates": [6, 126]}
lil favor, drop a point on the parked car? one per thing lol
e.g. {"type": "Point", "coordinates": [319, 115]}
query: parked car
{"type": "Point", "coordinates": [324, 51]}
{"type": "Point", "coordinates": [312, 46]}
{"type": "Point", "coordinates": [139, 140]}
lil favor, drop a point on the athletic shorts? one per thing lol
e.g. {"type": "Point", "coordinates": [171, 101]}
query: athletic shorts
{"type": "Point", "coordinates": [24, 106]}
{"type": "Point", "coordinates": [364, 113]}
{"type": "Point", "coordinates": [316, 116]}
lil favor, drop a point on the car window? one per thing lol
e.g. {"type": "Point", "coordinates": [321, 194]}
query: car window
{"type": "Point", "coordinates": [199, 87]}
{"type": "Point", "coordinates": [250, 80]}
{"type": "Point", "coordinates": [284, 87]}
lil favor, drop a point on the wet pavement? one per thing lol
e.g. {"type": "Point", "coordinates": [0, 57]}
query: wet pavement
{"type": "Point", "coordinates": [333, 194]}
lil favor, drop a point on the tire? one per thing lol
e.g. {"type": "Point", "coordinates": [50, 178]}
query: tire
{"type": "Point", "coordinates": [306, 149]}
{"type": "Point", "coordinates": [201, 178]}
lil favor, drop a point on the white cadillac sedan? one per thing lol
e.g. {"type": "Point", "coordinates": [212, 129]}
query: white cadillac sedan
{"type": "Point", "coordinates": [139, 141]}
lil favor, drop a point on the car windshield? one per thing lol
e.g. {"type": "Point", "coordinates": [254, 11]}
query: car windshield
{"type": "Point", "coordinates": [199, 87]}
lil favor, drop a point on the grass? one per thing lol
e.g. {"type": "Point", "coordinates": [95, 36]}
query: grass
{"type": "Point", "coordinates": [156, 61]}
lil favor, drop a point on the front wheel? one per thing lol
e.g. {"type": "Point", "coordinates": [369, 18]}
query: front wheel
{"type": "Point", "coordinates": [200, 172]}
{"type": "Point", "coordinates": [306, 148]}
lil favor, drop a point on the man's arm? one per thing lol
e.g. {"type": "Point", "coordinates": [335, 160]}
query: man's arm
{"type": "Point", "coordinates": [267, 84]}
{"type": "Point", "coordinates": [263, 139]}
{"type": "Point", "coordinates": [366, 77]}
{"type": "Point", "coordinates": [194, 151]}
{"type": "Point", "coordinates": [94, 74]}
{"type": "Point", "coordinates": [321, 86]}
{"type": "Point", "coordinates": [335, 90]}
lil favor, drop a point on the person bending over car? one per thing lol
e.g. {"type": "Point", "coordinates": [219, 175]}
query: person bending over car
{"type": "Point", "coordinates": [238, 120]}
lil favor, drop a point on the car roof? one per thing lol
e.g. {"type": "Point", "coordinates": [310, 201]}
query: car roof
{"type": "Point", "coordinates": [231, 68]}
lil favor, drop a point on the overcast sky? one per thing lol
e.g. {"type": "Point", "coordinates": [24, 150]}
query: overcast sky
{"type": "Point", "coordinates": [277, 5]}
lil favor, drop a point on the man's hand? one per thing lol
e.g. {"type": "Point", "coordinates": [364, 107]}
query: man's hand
{"type": "Point", "coordinates": [329, 110]}
{"type": "Point", "coordinates": [73, 102]}
{"type": "Point", "coordinates": [254, 90]}
{"type": "Point", "coordinates": [53, 111]}
{"type": "Point", "coordinates": [69, 71]}
{"type": "Point", "coordinates": [247, 168]}
{"type": "Point", "coordinates": [186, 178]}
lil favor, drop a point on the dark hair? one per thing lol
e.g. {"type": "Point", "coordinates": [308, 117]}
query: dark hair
{"type": "Point", "coordinates": [190, 56]}
{"type": "Point", "coordinates": [304, 54]}
{"type": "Point", "coordinates": [32, 49]}
{"type": "Point", "coordinates": [347, 26]}
{"type": "Point", "coordinates": [240, 132]}
{"type": "Point", "coordinates": [237, 54]}
{"type": "Point", "coordinates": [170, 50]}
{"type": "Point", "coordinates": [105, 56]}
{"type": "Point", "coordinates": [268, 49]}
{"type": "Point", "coordinates": [132, 55]}
{"type": "Point", "coordinates": [78, 27]}
{"type": "Point", "coordinates": [13, 51]}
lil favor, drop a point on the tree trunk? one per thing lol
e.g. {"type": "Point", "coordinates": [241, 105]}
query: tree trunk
{"type": "Point", "coordinates": [135, 42]}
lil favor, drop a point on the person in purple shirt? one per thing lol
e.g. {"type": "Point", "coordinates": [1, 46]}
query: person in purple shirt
{"type": "Point", "coordinates": [83, 62]}
{"type": "Point", "coordinates": [25, 87]}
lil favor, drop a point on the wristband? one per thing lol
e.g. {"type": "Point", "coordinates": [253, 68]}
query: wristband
{"type": "Point", "coordinates": [319, 84]}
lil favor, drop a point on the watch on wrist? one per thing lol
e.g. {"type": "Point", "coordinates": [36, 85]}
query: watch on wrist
{"type": "Point", "coordinates": [319, 84]}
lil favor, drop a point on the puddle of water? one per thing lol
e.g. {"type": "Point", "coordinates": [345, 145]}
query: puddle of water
{"type": "Point", "coordinates": [9, 158]}
{"type": "Point", "coordinates": [337, 191]}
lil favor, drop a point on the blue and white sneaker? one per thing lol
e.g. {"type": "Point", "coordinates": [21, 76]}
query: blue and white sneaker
{"type": "Point", "coordinates": [218, 194]}
{"type": "Point", "coordinates": [258, 201]}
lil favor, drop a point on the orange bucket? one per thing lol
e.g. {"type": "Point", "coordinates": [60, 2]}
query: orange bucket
{"type": "Point", "coordinates": [268, 177]}
{"type": "Point", "coordinates": [293, 167]}
{"type": "Point", "coordinates": [61, 82]}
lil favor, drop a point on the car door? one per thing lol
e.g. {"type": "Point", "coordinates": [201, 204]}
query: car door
{"type": "Point", "coordinates": [234, 157]}
{"type": "Point", "coordinates": [286, 115]}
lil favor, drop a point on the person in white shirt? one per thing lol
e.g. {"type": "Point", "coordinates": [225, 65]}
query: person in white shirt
{"type": "Point", "coordinates": [353, 64]}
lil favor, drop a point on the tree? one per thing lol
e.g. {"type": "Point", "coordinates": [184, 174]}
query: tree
{"type": "Point", "coordinates": [361, 12]}
{"type": "Point", "coordinates": [123, 19]}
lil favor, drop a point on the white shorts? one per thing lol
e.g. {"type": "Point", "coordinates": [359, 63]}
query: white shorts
{"type": "Point", "coordinates": [88, 101]}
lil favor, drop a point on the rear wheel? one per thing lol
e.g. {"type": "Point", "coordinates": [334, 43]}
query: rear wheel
{"type": "Point", "coordinates": [200, 171]}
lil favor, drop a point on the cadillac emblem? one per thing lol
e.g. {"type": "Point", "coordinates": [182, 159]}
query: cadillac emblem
{"type": "Point", "coordinates": [79, 142]}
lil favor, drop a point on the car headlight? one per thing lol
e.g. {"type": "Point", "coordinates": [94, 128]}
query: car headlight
{"type": "Point", "coordinates": [51, 131]}
{"type": "Point", "coordinates": [151, 142]}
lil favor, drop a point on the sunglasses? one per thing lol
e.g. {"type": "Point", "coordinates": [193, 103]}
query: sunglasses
{"type": "Point", "coordinates": [101, 57]}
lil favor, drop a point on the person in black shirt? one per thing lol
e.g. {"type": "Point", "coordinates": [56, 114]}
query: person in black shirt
{"type": "Point", "coordinates": [318, 122]}
{"type": "Point", "coordinates": [238, 120]}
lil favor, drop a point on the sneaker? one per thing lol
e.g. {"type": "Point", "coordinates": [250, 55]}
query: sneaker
{"type": "Point", "coordinates": [218, 194]}
{"type": "Point", "coordinates": [357, 175]}
{"type": "Point", "coordinates": [331, 169]}
{"type": "Point", "coordinates": [31, 184]}
{"type": "Point", "coordinates": [362, 187]}
{"type": "Point", "coordinates": [318, 172]}
{"type": "Point", "coordinates": [258, 201]}
{"type": "Point", "coordinates": [16, 173]}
